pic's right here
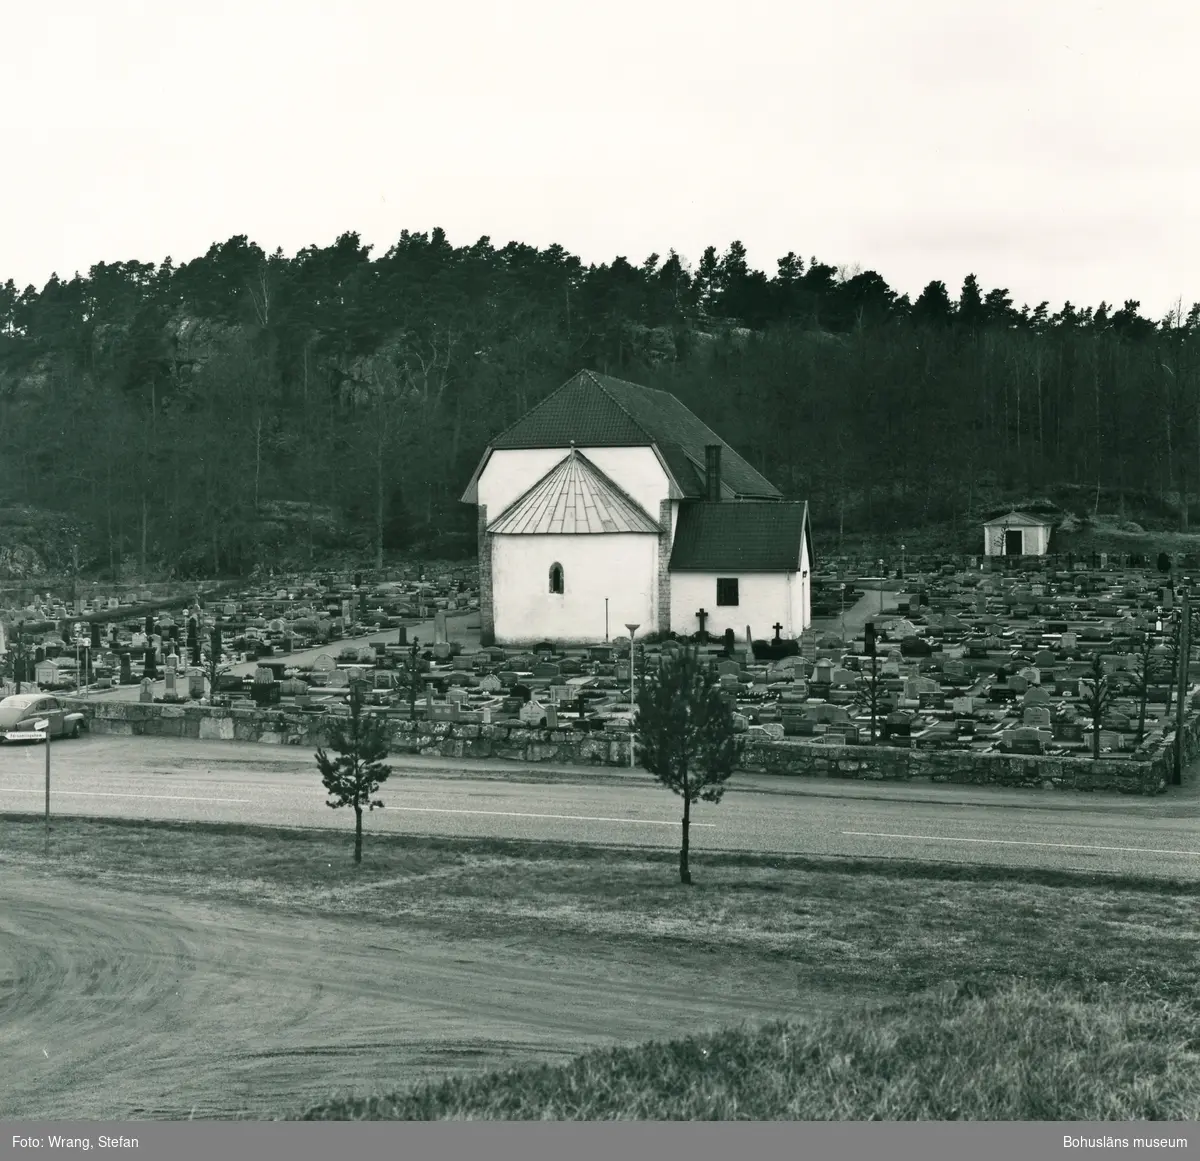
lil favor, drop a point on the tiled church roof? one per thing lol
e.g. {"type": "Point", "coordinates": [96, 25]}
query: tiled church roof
{"type": "Point", "coordinates": [740, 536]}
{"type": "Point", "coordinates": [593, 410]}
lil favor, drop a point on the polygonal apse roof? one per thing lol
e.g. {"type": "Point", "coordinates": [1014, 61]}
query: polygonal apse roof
{"type": "Point", "coordinates": [574, 497]}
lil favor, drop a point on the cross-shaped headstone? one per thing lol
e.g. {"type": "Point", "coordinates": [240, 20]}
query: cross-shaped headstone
{"type": "Point", "coordinates": [778, 629]}
{"type": "Point", "coordinates": [702, 616]}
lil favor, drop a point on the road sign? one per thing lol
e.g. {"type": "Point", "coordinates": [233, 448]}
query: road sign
{"type": "Point", "coordinates": [25, 736]}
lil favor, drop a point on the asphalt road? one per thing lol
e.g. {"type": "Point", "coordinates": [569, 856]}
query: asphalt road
{"type": "Point", "coordinates": [166, 778]}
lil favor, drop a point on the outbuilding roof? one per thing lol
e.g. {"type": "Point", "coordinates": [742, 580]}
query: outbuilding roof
{"type": "Point", "coordinates": [1019, 519]}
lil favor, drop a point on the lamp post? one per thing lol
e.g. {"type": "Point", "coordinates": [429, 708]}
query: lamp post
{"type": "Point", "coordinates": [902, 568]}
{"type": "Point", "coordinates": [881, 580]}
{"type": "Point", "coordinates": [606, 620]}
{"type": "Point", "coordinates": [842, 592]}
{"type": "Point", "coordinates": [632, 627]}
{"type": "Point", "coordinates": [44, 724]}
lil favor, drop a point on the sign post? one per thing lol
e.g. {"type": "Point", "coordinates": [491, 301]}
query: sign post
{"type": "Point", "coordinates": [44, 725]}
{"type": "Point", "coordinates": [1184, 649]}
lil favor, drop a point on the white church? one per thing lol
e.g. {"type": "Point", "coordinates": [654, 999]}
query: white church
{"type": "Point", "coordinates": [609, 504]}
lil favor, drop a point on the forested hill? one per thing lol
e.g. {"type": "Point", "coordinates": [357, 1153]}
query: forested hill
{"type": "Point", "coordinates": [207, 416]}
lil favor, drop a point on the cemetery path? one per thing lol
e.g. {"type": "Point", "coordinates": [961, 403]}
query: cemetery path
{"type": "Point", "coordinates": [165, 778]}
{"type": "Point", "coordinates": [119, 1006]}
{"type": "Point", "coordinates": [462, 628]}
{"type": "Point", "coordinates": [858, 614]}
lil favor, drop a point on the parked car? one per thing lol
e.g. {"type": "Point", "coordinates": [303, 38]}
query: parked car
{"type": "Point", "coordinates": [18, 713]}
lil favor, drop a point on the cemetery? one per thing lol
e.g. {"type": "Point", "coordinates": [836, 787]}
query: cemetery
{"type": "Point", "coordinates": [985, 671]}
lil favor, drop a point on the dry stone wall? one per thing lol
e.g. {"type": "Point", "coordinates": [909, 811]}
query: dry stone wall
{"type": "Point", "coordinates": [786, 758]}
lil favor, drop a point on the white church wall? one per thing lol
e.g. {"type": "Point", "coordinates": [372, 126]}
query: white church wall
{"type": "Point", "coordinates": [621, 567]}
{"type": "Point", "coordinates": [803, 583]}
{"type": "Point", "coordinates": [763, 599]}
{"type": "Point", "coordinates": [510, 473]}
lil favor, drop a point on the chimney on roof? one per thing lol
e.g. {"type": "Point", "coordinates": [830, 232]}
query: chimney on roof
{"type": "Point", "coordinates": [712, 471]}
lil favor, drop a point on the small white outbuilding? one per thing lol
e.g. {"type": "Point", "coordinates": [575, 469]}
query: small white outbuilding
{"type": "Point", "coordinates": [1016, 534]}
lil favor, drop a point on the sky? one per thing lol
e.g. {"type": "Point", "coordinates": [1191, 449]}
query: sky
{"type": "Point", "coordinates": [1048, 146]}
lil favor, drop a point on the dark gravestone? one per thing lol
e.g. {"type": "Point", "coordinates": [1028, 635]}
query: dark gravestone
{"type": "Point", "coordinates": [95, 634]}
{"type": "Point", "coordinates": [730, 641]}
{"type": "Point", "coordinates": [1164, 562]}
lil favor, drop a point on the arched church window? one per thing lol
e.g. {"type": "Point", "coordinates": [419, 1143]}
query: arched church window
{"type": "Point", "coordinates": [556, 578]}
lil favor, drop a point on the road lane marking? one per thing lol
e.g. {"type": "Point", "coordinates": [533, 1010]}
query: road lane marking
{"type": "Point", "coordinates": [523, 814]}
{"type": "Point", "coordinates": [937, 838]}
{"type": "Point", "coordinates": [410, 809]}
{"type": "Point", "coordinates": [117, 794]}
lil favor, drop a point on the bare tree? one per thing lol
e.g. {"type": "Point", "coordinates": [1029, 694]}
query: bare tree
{"type": "Point", "coordinates": [1098, 693]}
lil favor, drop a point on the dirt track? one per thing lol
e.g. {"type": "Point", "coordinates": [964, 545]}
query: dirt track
{"type": "Point", "coordinates": [117, 1005]}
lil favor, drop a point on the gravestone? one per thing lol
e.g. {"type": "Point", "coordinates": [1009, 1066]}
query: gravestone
{"type": "Point", "coordinates": [1037, 716]}
{"type": "Point", "coordinates": [439, 628]}
{"type": "Point", "coordinates": [169, 677]}
{"type": "Point", "coordinates": [147, 691]}
{"type": "Point", "coordinates": [126, 670]}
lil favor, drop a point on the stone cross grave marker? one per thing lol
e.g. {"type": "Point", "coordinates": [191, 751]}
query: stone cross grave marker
{"type": "Point", "coordinates": [778, 629]}
{"type": "Point", "coordinates": [702, 616]}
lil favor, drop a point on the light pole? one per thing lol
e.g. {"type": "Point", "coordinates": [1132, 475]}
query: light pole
{"type": "Point", "coordinates": [902, 569]}
{"type": "Point", "coordinates": [842, 591]}
{"type": "Point", "coordinates": [882, 578]}
{"type": "Point", "coordinates": [44, 724]}
{"type": "Point", "coordinates": [606, 620]}
{"type": "Point", "coordinates": [632, 627]}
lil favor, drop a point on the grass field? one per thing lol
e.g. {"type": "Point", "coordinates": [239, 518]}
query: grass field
{"type": "Point", "coordinates": [1022, 1053]}
{"type": "Point", "coordinates": [1079, 990]}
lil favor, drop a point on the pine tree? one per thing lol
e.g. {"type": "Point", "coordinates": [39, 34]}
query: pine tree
{"type": "Point", "coordinates": [354, 777]}
{"type": "Point", "coordinates": [684, 735]}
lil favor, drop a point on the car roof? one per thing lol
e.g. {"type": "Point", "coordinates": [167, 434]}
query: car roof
{"type": "Point", "coordinates": [21, 700]}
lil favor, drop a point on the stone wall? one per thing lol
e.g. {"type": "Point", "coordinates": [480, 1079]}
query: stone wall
{"type": "Point", "coordinates": [791, 758]}
{"type": "Point", "coordinates": [487, 622]}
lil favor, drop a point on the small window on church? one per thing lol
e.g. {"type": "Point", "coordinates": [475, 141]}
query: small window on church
{"type": "Point", "coordinates": [556, 578]}
{"type": "Point", "coordinates": [727, 590]}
